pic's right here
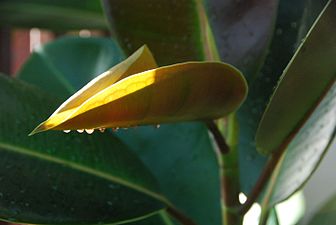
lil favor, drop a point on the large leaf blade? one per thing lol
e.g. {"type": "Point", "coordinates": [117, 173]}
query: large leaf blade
{"type": "Point", "coordinates": [306, 150]}
{"type": "Point", "coordinates": [189, 174]}
{"type": "Point", "coordinates": [281, 50]}
{"type": "Point", "coordinates": [56, 15]}
{"type": "Point", "coordinates": [61, 178]}
{"type": "Point", "coordinates": [301, 76]}
{"type": "Point", "coordinates": [202, 91]}
{"type": "Point", "coordinates": [231, 23]}
{"type": "Point", "coordinates": [190, 152]}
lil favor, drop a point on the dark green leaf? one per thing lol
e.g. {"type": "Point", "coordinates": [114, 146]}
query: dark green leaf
{"type": "Point", "coordinates": [182, 159]}
{"type": "Point", "coordinates": [242, 30]}
{"type": "Point", "coordinates": [59, 178]}
{"type": "Point", "coordinates": [56, 15]}
{"type": "Point", "coordinates": [307, 149]}
{"type": "Point", "coordinates": [175, 32]}
{"type": "Point", "coordinates": [305, 80]}
{"type": "Point", "coordinates": [180, 156]}
{"type": "Point", "coordinates": [62, 66]}
{"type": "Point", "coordinates": [288, 25]}
{"type": "Point", "coordinates": [326, 214]}
{"type": "Point", "coordinates": [169, 28]}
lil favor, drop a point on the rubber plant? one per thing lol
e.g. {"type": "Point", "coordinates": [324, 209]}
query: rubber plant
{"type": "Point", "coordinates": [188, 105]}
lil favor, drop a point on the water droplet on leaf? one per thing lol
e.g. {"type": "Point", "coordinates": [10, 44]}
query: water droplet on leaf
{"type": "Point", "coordinates": [89, 131]}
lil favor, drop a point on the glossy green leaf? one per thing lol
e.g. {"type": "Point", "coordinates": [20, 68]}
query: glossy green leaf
{"type": "Point", "coordinates": [190, 152]}
{"type": "Point", "coordinates": [289, 26]}
{"type": "Point", "coordinates": [242, 31]}
{"type": "Point", "coordinates": [65, 178]}
{"type": "Point", "coordinates": [176, 30]}
{"type": "Point", "coordinates": [326, 214]}
{"type": "Point", "coordinates": [201, 91]}
{"type": "Point", "coordinates": [307, 77]}
{"type": "Point", "coordinates": [305, 152]}
{"type": "Point", "coordinates": [56, 15]}
{"type": "Point", "coordinates": [188, 173]}
{"type": "Point", "coordinates": [51, 65]}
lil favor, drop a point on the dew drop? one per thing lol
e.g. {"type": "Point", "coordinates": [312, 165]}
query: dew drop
{"type": "Point", "coordinates": [80, 131]}
{"type": "Point", "coordinates": [102, 129]}
{"type": "Point", "coordinates": [89, 131]}
{"type": "Point", "coordinates": [66, 131]}
{"type": "Point", "coordinates": [157, 126]}
{"type": "Point", "coordinates": [115, 129]}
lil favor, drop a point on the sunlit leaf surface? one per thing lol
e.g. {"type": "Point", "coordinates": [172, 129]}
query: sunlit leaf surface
{"type": "Point", "coordinates": [180, 92]}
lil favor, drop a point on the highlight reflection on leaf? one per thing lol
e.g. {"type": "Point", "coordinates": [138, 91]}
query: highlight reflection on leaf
{"type": "Point", "coordinates": [136, 92]}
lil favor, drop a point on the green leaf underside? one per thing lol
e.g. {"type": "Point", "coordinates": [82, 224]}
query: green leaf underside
{"type": "Point", "coordinates": [55, 15]}
{"type": "Point", "coordinates": [288, 27]}
{"type": "Point", "coordinates": [169, 28]}
{"type": "Point", "coordinates": [190, 152]}
{"type": "Point", "coordinates": [155, 24]}
{"type": "Point", "coordinates": [326, 214]}
{"type": "Point", "coordinates": [314, 135]}
{"type": "Point", "coordinates": [311, 71]}
{"type": "Point", "coordinates": [52, 65]}
{"type": "Point", "coordinates": [242, 31]}
{"type": "Point", "coordinates": [307, 149]}
{"type": "Point", "coordinates": [65, 178]}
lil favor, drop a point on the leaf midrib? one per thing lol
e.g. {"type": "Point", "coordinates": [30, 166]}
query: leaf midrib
{"type": "Point", "coordinates": [81, 168]}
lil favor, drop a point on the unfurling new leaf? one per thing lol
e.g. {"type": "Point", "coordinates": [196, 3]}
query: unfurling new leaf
{"type": "Point", "coordinates": [135, 92]}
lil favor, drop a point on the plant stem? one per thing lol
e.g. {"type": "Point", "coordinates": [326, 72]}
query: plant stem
{"type": "Point", "coordinates": [229, 172]}
{"type": "Point", "coordinates": [264, 177]}
{"type": "Point", "coordinates": [180, 217]}
{"type": "Point", "coordinates": [230, 175]}
{"type": "Point", "coordinates": [228, 154]}
{"type": "Point", "coordinates": [220, 141]}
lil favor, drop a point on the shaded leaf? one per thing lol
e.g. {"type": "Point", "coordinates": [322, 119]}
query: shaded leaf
{"type": "Point", "coordinates": [306, 78]}
{"type": "Point", "coordinates": [51, 65]}
{"type": "Point", "coordinates": [307, 149]}
{"type": "Point", "coordinates": [288, 28]}
{"type": "Point", "coordinates": [182, 159]}
{"type": "Point", "coordinates": [169, 28]}
{"type": "Point", "coordinates": [190, 152]}
{"type": "Point", "coordinates": [65, 178]}
{"type": "Point", "coordinates": [175, 32]}
{"type": "Point", "coordinates": [326, 214]}
{"type": "Point", "coordinates": [202, 90]}
{"type": "Point", "coordinates": [56, 15]}
{"type": "Point", "coordinates": [317, 129]}
{"type": "Point", "coordinates": [242, 31]}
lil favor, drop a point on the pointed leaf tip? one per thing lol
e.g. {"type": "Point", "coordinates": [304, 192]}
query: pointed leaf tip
{"type": "Point", "coordinates": [145, 95]}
